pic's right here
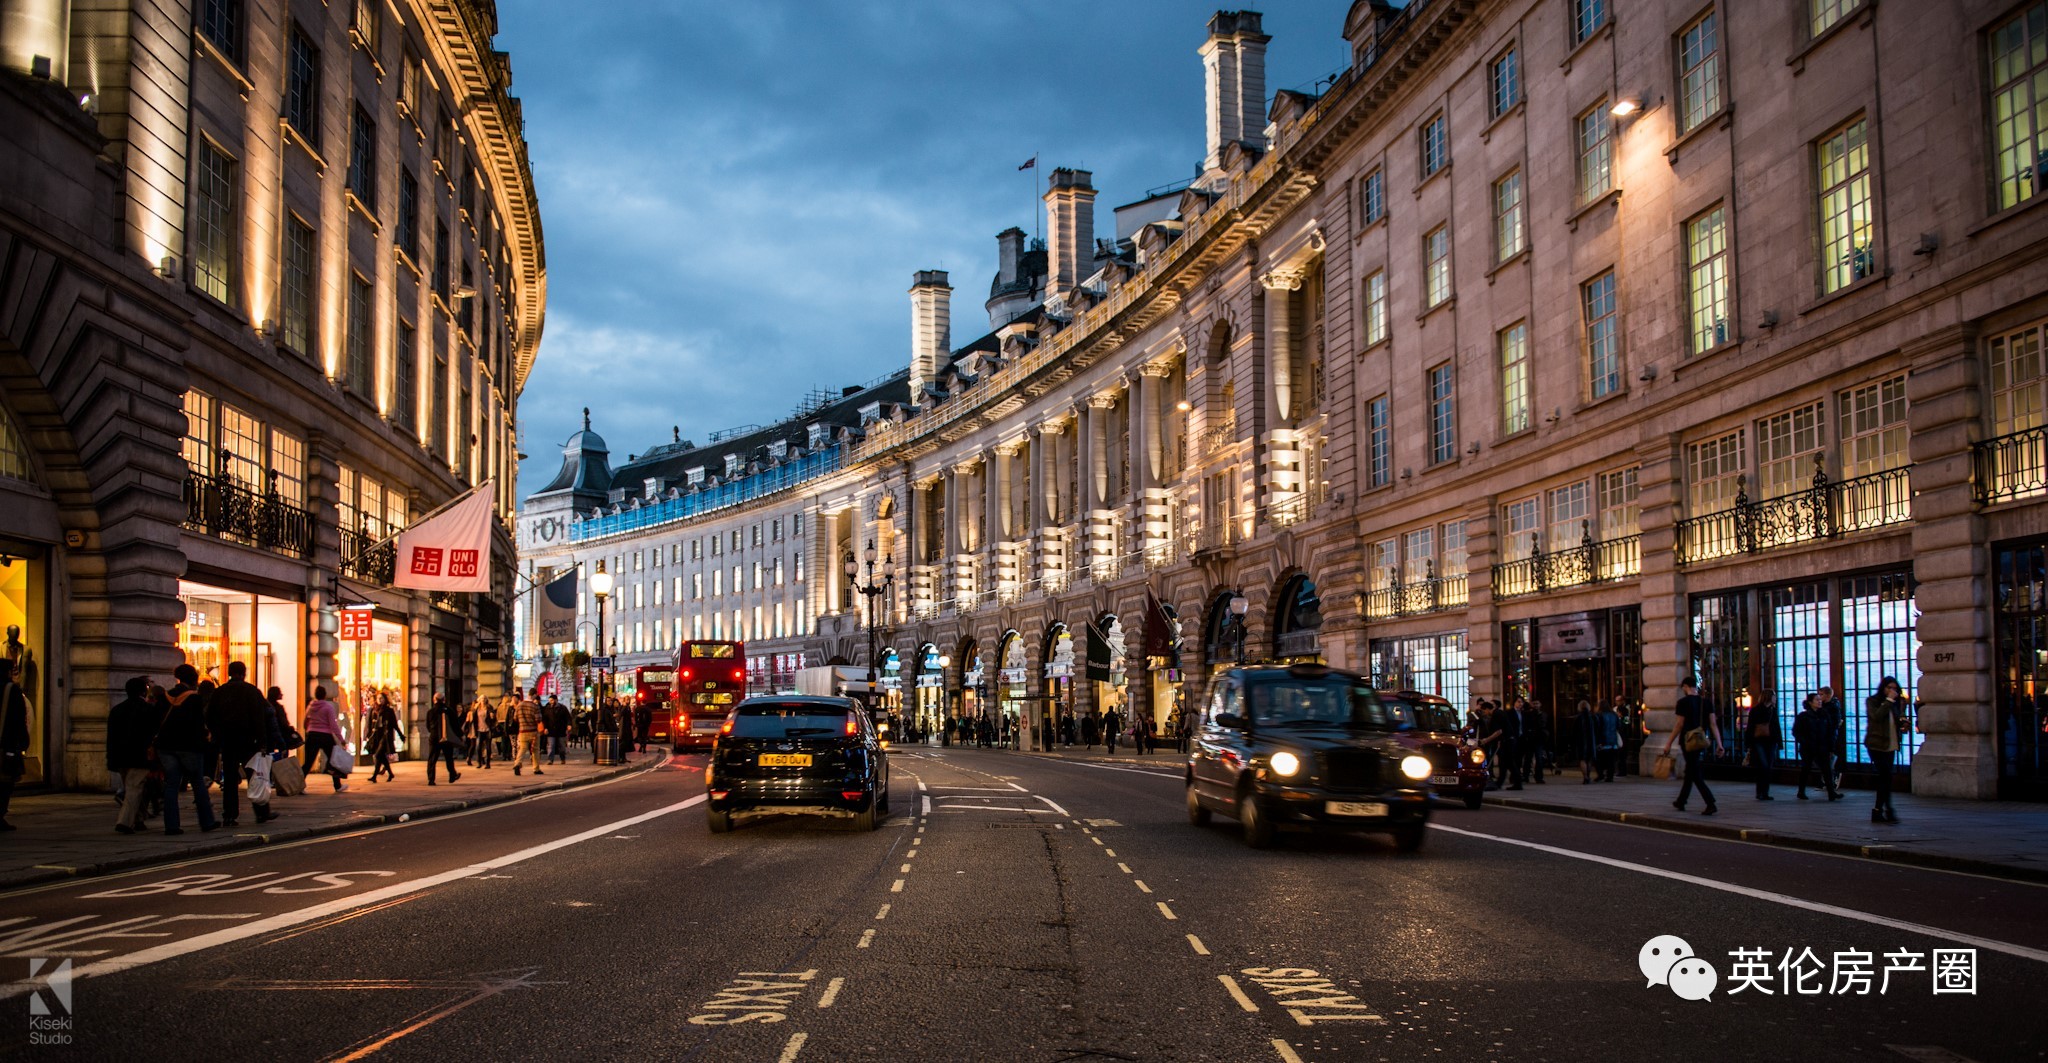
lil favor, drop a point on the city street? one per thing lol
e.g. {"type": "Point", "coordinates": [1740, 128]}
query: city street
{"type": "Point", "coordinates": [1013, 908]}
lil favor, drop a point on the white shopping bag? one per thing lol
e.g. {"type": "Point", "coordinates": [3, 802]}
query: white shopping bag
{"type": "Point", "coordinates": [260, 790]}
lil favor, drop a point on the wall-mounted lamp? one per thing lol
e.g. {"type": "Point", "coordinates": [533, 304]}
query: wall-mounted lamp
{"type": "Point", "coordinates": [1648, 374]}
{"type": "Point", "coordinates": [1626, 106]}
{"type": "Point", "coordinates": [167, 267]}
{"type": "Point", "coordinates": [1407, 474]}
{"type": "Point", "coordinates": [1769, 320]}
{"type": "Point", "coordinates": [465, 292]}
{"type": "Point", "coordinates": [1474, 448]}
{"type": "Point", "coordinates": [1183, 406]}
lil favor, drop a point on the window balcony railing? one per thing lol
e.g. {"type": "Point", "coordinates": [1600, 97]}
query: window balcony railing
{"type": "Point", "coordinates": [703, 500]}
{"type": "Point", "coordinates": [226, 508]}
{"type": "Point", "coordinates": [2013, 466]}
{"type": "Point", "coordinates": [362, 558]}
{"type": "Point", "coordinates": [1827, 509]}
{"type": "Point", "coordinates": [1592, 561]}
{"type": "Point", "coordinates": [1431, 594]}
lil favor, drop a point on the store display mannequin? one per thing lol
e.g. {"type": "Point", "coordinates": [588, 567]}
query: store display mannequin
{"type": "Point", "coordinates": [24, 660]}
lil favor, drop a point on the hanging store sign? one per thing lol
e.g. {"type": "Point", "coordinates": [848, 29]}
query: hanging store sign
{"type": "Point", "coordinates": [356, 625]}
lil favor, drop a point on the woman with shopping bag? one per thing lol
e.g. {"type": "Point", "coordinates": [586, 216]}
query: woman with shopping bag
{"type": "Point", "coordinates": [324, 746]}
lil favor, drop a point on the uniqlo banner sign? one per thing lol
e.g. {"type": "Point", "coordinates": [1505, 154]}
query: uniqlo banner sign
{"type": "Point", "coordinates": [355, 625]}
{"type": "Point", "coordinates": [450, 550]}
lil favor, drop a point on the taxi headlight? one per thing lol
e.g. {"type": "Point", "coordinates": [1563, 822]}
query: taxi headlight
{"type": "Point", "coordinates": [1479, 756]}
{"type": "Point", "coordinates": [1284, 763]}
{"type": "Point", "coordinates": [1415, 767]}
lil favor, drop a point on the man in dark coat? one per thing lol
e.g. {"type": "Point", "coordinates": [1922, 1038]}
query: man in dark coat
{"type": "Point", "coordinates": [241, 721]}
{"type": "Point", "coordinates": [1765, 738]}
{"type": "Point", "coordinates": [131, 723]}
{"type": "Point", "coordinates": [14, 736]}
{"type": "Point", "coordinates": [444, 733]}
{"type": "Point", "coordinates": [181, 748]}
{"type": "Point", "coordinates": [554, 719]}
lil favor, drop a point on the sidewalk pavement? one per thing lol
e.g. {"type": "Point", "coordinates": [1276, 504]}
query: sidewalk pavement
{"type": "Point", "coordinates": [71, 835]}
{"type": "Point", "coordinates": [2004, 839]}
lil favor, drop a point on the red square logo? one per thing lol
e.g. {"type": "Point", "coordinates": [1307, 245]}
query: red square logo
{"type": "Point", "coordinates": [355, 625]}
{"type": "Point", "coordinates": [426, 560]}
{"type": "Point", "coordinates": [462, 562]}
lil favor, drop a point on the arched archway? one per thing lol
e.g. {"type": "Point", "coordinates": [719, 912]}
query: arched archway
{"type": "Point", "coordinates": [968, 696]}
{"type": "Point", "coordinates": [1058, 655]}
{"type": "Point", "coordinates": [1220, 644]}
{"type": "Point", "coordinates": [928, 687]}
{"type": "Point", "coordinates": [1009, 681]}
{"type": "Point", "coordinates": [1297, 620]}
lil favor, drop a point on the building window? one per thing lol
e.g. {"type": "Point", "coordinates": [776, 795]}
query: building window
{"type": "Point", "coordinates": [1713, 473]}
{"type": "Point", "coordinates": [1699, 72]}
{"type": "Point", "coordinates": [287, 467]}
{"type": "Point", "coordinates": [365, 23]}
{"type": "Point", "coordinates": [408, 235]}
{"type": "Point", "coordinates": [440, 282]}
{"type": "Point", "coordinates": [1513, 344]}
{"type": "Point", "coordinates": [1873, 428]}
{"type": "Point", "coordinates": [1386, 563]}
{"type": "Point", "coordinates": [1603, 336]}
{"type": "Point", "coordinates": [360, 376]}
{"type": "Point", "coordinates": [1828, 12]}
{"type": "Point", "coordinates": [1436, 267]}
{"type": "Point", "coordinates": [1418, 555]}
{"type": "Point", "coordinates": [1596, 152]}
{"type": "Point", "coordinates": [1571, 515]}
{"type": "Point", "coordinates": [1376, 307]}
{"type": "Point", "coordinates": [1787, 448]}
{"type": "Point", "coordinates": [302, 86]}
{"type": "Point", "coordinates": [1520, 527]}
{"type": "Point", "coordinates": [438, 408]}
{"type": "Point", "coordinates": [1443, 426]}
{"type": "Point", "coordinates": [1432, 664]}
{"type": "Point", "coordinates": [1509, 229]}
{"type": "Point", "coordinates": [1436, 144]}
{"type": "Point", "coordinates": [1620, 515]}
{"type": "Point", "coordinates": [213, 223]}
{"type": "Point", "coordinates": [1379, 442]}
{"type": "Point", "coordinates": [1706, 280]}
{"type": "Point", "coordinates": [2018, 371]}
{"type": "Point", "coordinates": [1506, 81]}
{"type": "Point", "coordinates": [362, 157]}
{"type": "Point", "coordinates": [1372, 196]}
{"type": "Point", "coordinates": [295, 327]}
{"type": "Point", "coordinates": [1846, 255]}
{"type": "Point", "coordinates": [2019, 87]}
{"type": "Point", "coordinates": [198, 442]}
{"type": "Point", "coordinates": [220, 22]}
{"type": "Point", "coordinates": [405, 375]}
{"type": "Point", "coordinates": [1587, 18]}
{"type": "Point", "coordinates": [1451, 550]}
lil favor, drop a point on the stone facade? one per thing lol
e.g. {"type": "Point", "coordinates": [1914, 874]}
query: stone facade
{"type": "Point", "coordinates": [271, 279]}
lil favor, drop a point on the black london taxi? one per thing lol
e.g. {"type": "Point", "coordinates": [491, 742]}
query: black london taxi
{"type": "Point", "coordinates": [797, 755]}
{"type": "Point", "coordinates": [1457, 766]}
{"type": "Point", "coordinates": [1305, 748]}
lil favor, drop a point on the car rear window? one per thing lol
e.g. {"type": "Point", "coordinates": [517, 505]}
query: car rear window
{"type": "Point", "coordinates": [787, 721]}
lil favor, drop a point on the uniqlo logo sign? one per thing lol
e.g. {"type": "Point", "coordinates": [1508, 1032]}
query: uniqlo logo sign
{"type": "Point", "coordinates": [355, 625]}
{"type": "Point", "coordinates": [462, 562]}
{"type": "Point", "coordinates": [426, 561]}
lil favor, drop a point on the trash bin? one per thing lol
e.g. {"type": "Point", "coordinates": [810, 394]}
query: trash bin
{"type": "Point", "coordinates": [607, 747]}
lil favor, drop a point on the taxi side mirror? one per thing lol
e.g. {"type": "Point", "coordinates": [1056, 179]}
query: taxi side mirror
{"type": "Point", "coordinates": [1231, 720]}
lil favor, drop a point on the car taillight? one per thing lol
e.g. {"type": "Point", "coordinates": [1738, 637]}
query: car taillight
{"type": "Point", "coordinates": [682, 721]}
{"type": "Point", "coordinates": [726, 727]}
{"type": "Point", "coordinates": [852, 726]}
{"type": "Point", "coordinates": [719, 795]}
{"type": "Point", "coordinates": [850, 795]}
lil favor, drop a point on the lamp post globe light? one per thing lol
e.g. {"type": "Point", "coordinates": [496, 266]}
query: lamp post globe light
{"type": "Point", "coordinates": [871, 590]}
{"type": "Point", "coordinates": [601, 586]}
{"type": "Point", "coordinates": [1239, 605]}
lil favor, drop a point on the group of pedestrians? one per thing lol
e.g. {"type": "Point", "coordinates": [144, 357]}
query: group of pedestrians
{"type": "Point", "coordinates": [1516, 737]}
{"type": "Point", "coordinates": [1818, 732]}
{"type": "Point", "coordinates": [189, 736]}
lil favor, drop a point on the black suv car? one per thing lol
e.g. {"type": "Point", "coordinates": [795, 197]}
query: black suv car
{"type": "Point", "coordinates": [1306, 747]}
{"type": "Point", "coordinates": [796, 755]}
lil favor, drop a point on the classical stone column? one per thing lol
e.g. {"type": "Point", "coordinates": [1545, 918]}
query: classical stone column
{"type": "Point", "coordinates": [1280, 479]}
{"type": "Point", "coordinates": [323, 623]}
{"type": "Point", "coordinates": [1944, 394]}
{"type": "Point", "coordinates": [1667, 627]}
{"type": "Point", "coordinates": [1482, 633]}
{"type": "Point", "coordinates": [1101, 517]}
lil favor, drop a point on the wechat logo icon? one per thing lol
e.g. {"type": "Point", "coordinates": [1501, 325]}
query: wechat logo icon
{"type": "Point", "coordinates": [1667, 960]}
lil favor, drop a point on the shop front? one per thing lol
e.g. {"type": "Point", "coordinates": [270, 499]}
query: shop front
{"type": "Point", "coordinates": [371, 665]}
{"type": "Point", "coordinates": [1298, 623]}
{"type": "Point", "coordinates": [25, 621]}
{"type": "Point", "coordinates": [1059, 679]}
{"type": "Point", "coordinates": [1435, 663]}
{"type": "Point", "coordinates": [1592, 658]}
{"type": "Point", "coordinates": [2020, 682]}
{"type": "Point", "coordinates": [1107, 677]}
{"type": "Point", "coordinates": [929, 690]}
{"type": "Point", "coordinates": [1010, 689]}
{"type": "Point", "coordinates": [890, 685]}
{"type": "Point", "coordinates": [971, 698]}
{"type": "Point", "coordinates": [1162, 667]}
{"type": "Point", "coordinates": [264, 631]}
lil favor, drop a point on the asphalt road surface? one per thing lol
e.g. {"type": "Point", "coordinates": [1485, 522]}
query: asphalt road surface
{"type": "Point", "coordinates": [1017, 908]}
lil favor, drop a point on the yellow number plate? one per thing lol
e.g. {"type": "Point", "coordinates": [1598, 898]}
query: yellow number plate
{"type": "Point", "coordinates": [785, 760]}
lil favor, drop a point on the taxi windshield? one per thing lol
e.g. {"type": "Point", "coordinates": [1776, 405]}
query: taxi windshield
{"type": "Point", "coordinates": [1329, 701]}
{"type": "Point", "coordinates": [1424, 716]}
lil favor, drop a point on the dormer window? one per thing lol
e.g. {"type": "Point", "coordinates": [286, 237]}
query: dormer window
{"type": "Point", "coordinates": [778, 450]}
{"type": "Point", "coordinates": [653, 486]}
{"type": "Point", "coordinates": [819, 436]}
{"type": "Point", "coordinates": [732, 465]}
{"type": "Point", "coordinates": [870, 413]}
{"type": "Point", "coordinates": [694, 477]}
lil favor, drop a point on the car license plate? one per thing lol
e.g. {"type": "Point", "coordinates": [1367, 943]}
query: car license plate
{"type": "Point", "coordinates": [785, 760]}
{"type": "Point", "coordinates": [1356, 808]}
{"type": "Point", "coordinates": [1443, 780]}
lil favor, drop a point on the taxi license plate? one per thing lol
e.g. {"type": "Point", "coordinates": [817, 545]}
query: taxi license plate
{"type": "Point", "coordinates": [1356, 808]}
{"type": "Point", "coordinates": [1443, 780]}
{"type": "Point", "coordinates": [785, 760]}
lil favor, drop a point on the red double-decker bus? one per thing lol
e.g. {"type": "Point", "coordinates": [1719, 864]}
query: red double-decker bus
{"type": "Point", "coordinates": [710, 678]}
{"type": "Point", "coordinates": [652, 686]}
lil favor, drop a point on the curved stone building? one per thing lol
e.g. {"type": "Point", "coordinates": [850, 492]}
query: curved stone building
{"type": "Point", "coordinates": [271, 279]}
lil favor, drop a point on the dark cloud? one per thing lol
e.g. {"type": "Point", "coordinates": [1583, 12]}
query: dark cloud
{"type": "Point", "coordinates": [735, 195]}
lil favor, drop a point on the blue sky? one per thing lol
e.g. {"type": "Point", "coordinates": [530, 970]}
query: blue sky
{"type": "Point", "coordinates": [735, 195]}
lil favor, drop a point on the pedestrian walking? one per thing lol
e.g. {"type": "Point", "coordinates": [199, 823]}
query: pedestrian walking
{"type": "Point", "coordinates": [482, 726]}
{"type": "Point", "coordinates": [323, 735]}
{"type": "Point", "coordinates": [384, 736]}
{"type": "Point", "coordinates": [1889, 721]}
{"type": "Point", "coordinates": [444, 733]}
{"type": "Point", "coordinates": [1701, 729]}
{"type": "Point", "coordinates": [181, 747]}
{"type": "Point", "coordinates": [1535, 743]}
{"type": "Point", "coordinates": [1607, 739]}
{"type": "Point", "coordinates": [1505, 742]}
{"type": "Point", "coordinates": [242, 725]}
{"type": "Point", "coordinates": [526, 725]}
{"type": "Point", "coordinates": [554, 718]}
{"type": "Point", "coordinates": [1838, 734]}
{"type": "Point", "coordinates": [14, 737]}
{"type": "Point", "coordinates": [1585, 731]}
{"type": "Point", "coordinates": [289, 737]}
{"type": "Point", "coordinates": [1810, 737]}
{"type": "Point", "coordinates": [1089, 726]}
{"type": "Point", "coordinates": [1765, 738]}
{"type": "Point", "coordinates": [1112, 722]}
{"type": "Point", "coordinates": [131, 723]}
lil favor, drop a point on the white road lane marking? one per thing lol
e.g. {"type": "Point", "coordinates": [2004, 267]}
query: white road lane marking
{"type": "Point", "coordinates": [1200, 949]}
{"type": "Point", "coordinates": [867, 937]}
{"type": "Point", "coordinates": [904, 870]}
{"type": "Point", "coordinates": [1165, 911]}
{"type": "Point", "coordinates": [911, 855]}
{"type": "Point", "coordinates": [920, 786]}
{"type": "Point", "coordinates": [1019, 789]}
{"type": "Point", "coordinates": [1055, 807]}
{"type": "Point", "coordinates": [1097, 841]}
{"type": "Point", "coordinates": [831, 992]}
{"type": "Point", "coordinates": [1140, 883]}
{"type": "Point", "coordinates": [2009, 949]}
{"type": "Point", "coordinates": [1286, 1051]}
{"type": "Point", "coordinates": [1111, 853]}
{"type": "Point", "coordinates": [286, 920]}
{"type": "Point", "coordinates": [1237, 992]}
{"type": "Point", "coordinates": [795, 1045]}
{"type": "Point", "coordinates": [883, 914]}
{"type": "Point", "coordinates": [927, 806]}
{"type": "Point", "coordinates": [896, 886]}
{"type": "Point", "coordinates": [1123, 867]}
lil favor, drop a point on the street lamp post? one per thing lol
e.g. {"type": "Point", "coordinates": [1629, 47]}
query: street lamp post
{"type": "Point", "coordinates": [871, 590]}
{"type": "Point", "coordinates": [1239, 605]}
{"type": "Point", "coordinates": [601, 586]}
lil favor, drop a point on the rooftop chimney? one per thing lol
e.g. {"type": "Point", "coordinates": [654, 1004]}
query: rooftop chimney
{"type": "Point", "coordinates": [1070, 223]}
{"type": "Point", "coordinates": [1234, 65]}
{"type": "Point", "coordinates": [931, 329]}
{"type": "Point", "coordinates": [1009, 255]}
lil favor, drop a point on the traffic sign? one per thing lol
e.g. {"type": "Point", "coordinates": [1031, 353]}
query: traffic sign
{"type": "Point", "coordinates": [600, 662]}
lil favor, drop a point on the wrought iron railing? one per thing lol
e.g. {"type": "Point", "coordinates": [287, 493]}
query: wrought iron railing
{"type": "Point", "coordinates": [707, 499]}
{"type": "Point", "coordinates": [1592, 561]}
{"type": "Point", "coordinates": [364, 559]}
{"type": "Point", "coordinates": [1827, 509]}
{"type": "Point", "coordinates": [1220, 435]}
{"type": "Point", "coordinates": [226, 508]}
{"type": "Point", "coordinates": [1289, 511]}
{"type": "Point", "coordinates": [1431, 594]}
{"type": "Point", "coordinates": [2013, 466]}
